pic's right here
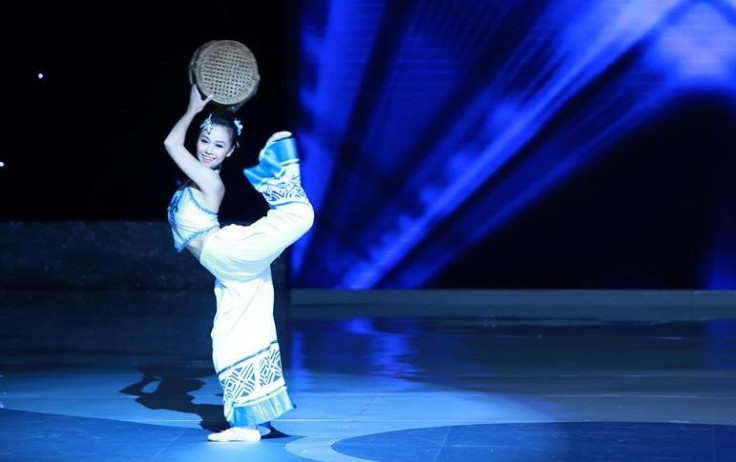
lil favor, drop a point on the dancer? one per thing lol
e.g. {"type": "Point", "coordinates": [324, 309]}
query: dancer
{"type": "Point", "coordinates": [245, 350]}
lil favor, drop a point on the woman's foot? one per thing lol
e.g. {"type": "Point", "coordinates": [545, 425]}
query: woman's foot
{"type": "Point", "coordinates": [244, 434]}
{"type": "Point", "coordinates": [277, 176]}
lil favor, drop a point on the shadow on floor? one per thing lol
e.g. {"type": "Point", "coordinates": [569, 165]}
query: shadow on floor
{"type": "Point", "coordinates": [173, 392]}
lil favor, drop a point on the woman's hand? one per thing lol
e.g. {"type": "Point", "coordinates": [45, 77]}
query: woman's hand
{"type": "Point", "coordinates": [196, 102]}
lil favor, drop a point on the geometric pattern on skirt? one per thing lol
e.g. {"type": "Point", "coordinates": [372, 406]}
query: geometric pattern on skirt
{"type": "Point", "coordinates": [254, 390]}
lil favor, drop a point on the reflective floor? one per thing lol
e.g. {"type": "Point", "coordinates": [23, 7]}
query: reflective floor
{"type": "Point", "coordinates": [128, 378]}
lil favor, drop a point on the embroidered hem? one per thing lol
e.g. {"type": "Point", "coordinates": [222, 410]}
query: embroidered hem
{"type": "Point", "coordinates": [264, 411]}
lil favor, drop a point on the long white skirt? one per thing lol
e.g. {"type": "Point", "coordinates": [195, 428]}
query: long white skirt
{"type": "Point", "coordinates": [245, 350]}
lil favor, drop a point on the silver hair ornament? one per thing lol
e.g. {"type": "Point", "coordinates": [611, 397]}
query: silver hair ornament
{"type": "Point", "coordinates": [207, 124]}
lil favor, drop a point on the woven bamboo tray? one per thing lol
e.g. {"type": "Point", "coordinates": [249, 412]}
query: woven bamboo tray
{"type": "Point", "coordinates": [226, 69]}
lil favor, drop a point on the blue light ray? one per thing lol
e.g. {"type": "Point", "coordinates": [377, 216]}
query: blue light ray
{"type": "Point", "coordinates": [335, 55]}
{"type": "Point", "coordinates": [551, 165]}
{"type": "Point", "coordinates": [452, 109]}
{"type": "Point", "coordinates": [416, 58]}
{"type": "Point", "coordinates": [699, 48]}
{"type": "Point", "coordinates": [566, 82]}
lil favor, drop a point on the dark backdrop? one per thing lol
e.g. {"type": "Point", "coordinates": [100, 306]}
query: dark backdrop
{"type": "Point", "coordinates": [86, 141]}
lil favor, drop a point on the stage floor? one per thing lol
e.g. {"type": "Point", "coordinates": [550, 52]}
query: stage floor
{"type": "Point", "coordinates": [119, 378]}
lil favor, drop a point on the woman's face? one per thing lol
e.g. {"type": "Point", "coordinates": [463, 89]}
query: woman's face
{"type": "Point", "coordinates": [215, 146]}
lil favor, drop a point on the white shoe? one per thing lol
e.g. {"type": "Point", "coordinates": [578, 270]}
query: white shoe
{"type": "Point", "coordinates": [244, 434]}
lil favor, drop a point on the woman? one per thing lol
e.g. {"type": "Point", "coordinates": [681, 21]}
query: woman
{"type": "Point", "coordinates": [245, 349]}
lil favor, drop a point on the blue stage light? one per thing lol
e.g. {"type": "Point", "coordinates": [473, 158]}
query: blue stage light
{"type": "Point", "coordinates": [698, 47]}
{"type": "Point", "coordinates": [428, 129]}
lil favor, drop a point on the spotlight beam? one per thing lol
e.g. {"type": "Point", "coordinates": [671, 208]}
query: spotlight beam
{"type": "Point", "coordinates": [551, 98]}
